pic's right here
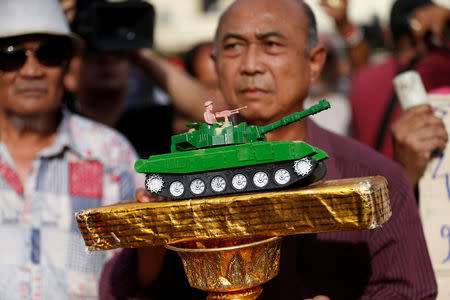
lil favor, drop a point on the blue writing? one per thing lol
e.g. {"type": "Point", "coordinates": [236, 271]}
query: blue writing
{"type": "Point", "coordinates": [443, 112]}
{"type": "Point", "coordinates": [445, 233]}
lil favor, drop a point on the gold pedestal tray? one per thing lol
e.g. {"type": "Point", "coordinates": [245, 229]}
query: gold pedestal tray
{"type": "Point", "coordinates": [230, 269]}
{"type": "Point", "coordinates": [229, 245]}
{"type": "Point", "coordinates": [345, 204]}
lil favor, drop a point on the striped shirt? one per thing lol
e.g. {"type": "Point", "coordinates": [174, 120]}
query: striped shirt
{"type": "Point", "coordinates": [390, 262]}
{"type": "Point", "coordinates": [43, 255]}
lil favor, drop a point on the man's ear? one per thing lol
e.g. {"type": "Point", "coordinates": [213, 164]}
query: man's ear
{"type": "Point", "coordinates": [214, 59]}
{"type": "Point", "coordinates": [317, 57]}
{"type": "Point", "coordinates": [72, 77]}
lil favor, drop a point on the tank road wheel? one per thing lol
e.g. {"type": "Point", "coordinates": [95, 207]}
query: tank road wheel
{"type": "Point", "coordinates": [282, 176]}
{"type": "Point", "coordinates": [304, 166]}
{"type": "Point", "coordinates": [154, 183]}
{"type": "Point", "coordinates": [260, 179]}
{"type": "Point", "coordinates": [239, 181]}
{"type": "Point", "coordinates": [197, 186]}
{"type": "Point", "coordinates": [176, 189]}
{"type": "Point", "coordinates": [218, 184]}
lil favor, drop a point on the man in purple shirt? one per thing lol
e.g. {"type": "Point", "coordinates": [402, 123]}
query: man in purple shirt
{"type": "Point", "coordinates": [266, 56]}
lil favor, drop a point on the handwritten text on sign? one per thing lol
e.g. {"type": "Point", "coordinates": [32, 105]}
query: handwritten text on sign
{"type": "Point", "coordinates": [434, 189]}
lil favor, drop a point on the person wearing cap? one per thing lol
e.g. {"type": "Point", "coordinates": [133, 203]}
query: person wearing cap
{"type": "Point", "coordinates": [52, 163]}
{"type": "Point", "coordinates": [409, 137]}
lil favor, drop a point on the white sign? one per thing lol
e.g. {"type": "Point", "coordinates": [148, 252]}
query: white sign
{"type": "Point", "coordinates": [434, 204]}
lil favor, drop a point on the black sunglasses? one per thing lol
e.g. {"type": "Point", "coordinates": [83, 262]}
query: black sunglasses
{"type": "Point", "coordinates": [50, 54]}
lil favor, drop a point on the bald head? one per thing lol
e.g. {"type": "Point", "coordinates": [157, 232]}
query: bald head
{"type": "Point", "coordinates": [265, 58]}
{"type": "Point", "coordinates": [305, 15]}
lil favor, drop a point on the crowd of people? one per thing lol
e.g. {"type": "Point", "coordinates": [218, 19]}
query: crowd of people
{"type": "Point", "coordinates": [69, 140]}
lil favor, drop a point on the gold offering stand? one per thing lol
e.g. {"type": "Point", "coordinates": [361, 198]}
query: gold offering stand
{"type": "Point", "coordinates": [230, 245]}
{"type": "Point", "coordinates": [230, 269]}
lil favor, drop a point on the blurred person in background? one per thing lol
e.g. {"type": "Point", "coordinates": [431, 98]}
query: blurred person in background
{"type": "Point", "coordinates": [353, 35]}
{"type": "Point", "coordinates": [52, 163]}
{"type": "Point", "coordinates": [100, 80]}
{"type": "Point", "coordinates": [198, 63]}
{"type": "Point", "coordinates": [268, 66]}
{"type": "Point", "coordinates": [332, 85]}
{"type": "Point", "coordinates": [99, 85]}
{"type": "Point", "coordinates": [420, 31]}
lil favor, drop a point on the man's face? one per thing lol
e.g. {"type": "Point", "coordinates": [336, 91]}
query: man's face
{"type": "Point", "coordinates": [104, 72]}
{"type": "Point", "coordinates": [32, 88]}
{"type": "Point", "coordinates": [261, 58]}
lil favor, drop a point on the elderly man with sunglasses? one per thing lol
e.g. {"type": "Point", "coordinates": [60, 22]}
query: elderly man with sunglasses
{"type": "Point", "coordinates": [52, 163]}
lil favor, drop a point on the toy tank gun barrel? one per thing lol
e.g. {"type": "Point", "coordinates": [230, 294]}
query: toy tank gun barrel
{"type": "Point", "coordinates": [322, 105]}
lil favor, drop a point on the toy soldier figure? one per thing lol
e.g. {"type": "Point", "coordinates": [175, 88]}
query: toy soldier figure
{"type": "Point", "coordinates": [210, 117]}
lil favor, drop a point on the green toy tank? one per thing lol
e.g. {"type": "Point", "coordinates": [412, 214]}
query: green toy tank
{"type": "Point", "coordinates": [222, 158]}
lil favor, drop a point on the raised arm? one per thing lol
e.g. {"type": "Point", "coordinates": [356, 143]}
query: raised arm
{"type": "Point", "coordinates": [186, 93]}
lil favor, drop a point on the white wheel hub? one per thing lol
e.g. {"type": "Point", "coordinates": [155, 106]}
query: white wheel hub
{"type": "Point", "coordinates": [197, 186]}
{"type": "Point", "coordinates": [154, 183]}
{"type": "Point", "coordinates": [282, 176]}
{"type": "Point", "coordinates": [218, 184]}
{"type": "Point", "coordinates": [176, 188]}
{"type": "Point", "coordinates": [260, 179]}
{"type": "Point", "coordinates": [239, 181]}
{"type": "Point", "coordinates": [303, 166]}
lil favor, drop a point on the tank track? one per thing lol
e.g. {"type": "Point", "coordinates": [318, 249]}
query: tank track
{"type": "Point", "coordinates": [246, 179]}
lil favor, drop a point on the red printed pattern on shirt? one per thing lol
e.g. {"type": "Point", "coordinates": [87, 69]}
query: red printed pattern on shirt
{"type": "Point", "coordinates": [86, 179]}
{"type": "Point", "coordinates": [11, 176]}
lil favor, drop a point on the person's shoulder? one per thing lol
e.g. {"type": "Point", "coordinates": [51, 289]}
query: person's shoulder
{"type": "Point", "coordinates": [98, 140]}
{"type": "Point", "coordinates": [434, 70]}
{"type": "Point", "coordinates": [95, 130]}
{"type": "Point", "coordinates": [373, 73]}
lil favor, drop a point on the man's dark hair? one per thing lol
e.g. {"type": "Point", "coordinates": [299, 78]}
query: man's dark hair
{"type": "Point", "coordinates": [399, 18]}
{"type": "Point", "coordinates": [311, 38]}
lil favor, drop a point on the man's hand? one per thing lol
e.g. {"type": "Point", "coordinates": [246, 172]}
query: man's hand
{"type": "Point", "coordinates": [70, 9]}
{"type": "Point", "coordinates": [358, 48]}
{"type": "Point", "coordinates": [432, 18]}
{"type": "Point", "coordinates": [416, 134]}
{"type": "Point", "coordinates": [144, 196]}
{"type": "Point", "coordinates": [337, 10]}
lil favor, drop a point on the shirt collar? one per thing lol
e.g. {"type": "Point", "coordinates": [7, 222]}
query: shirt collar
{"type": "Point", "coordinates": [64, 138]}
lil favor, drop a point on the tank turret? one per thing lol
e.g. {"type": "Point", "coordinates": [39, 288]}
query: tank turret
{"type": "Point", "coordinates": [204, 135]}
{"type": "Point", "coordinates": [322, 105]}
{"type": "Point", "coordinates": [222, 158]}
